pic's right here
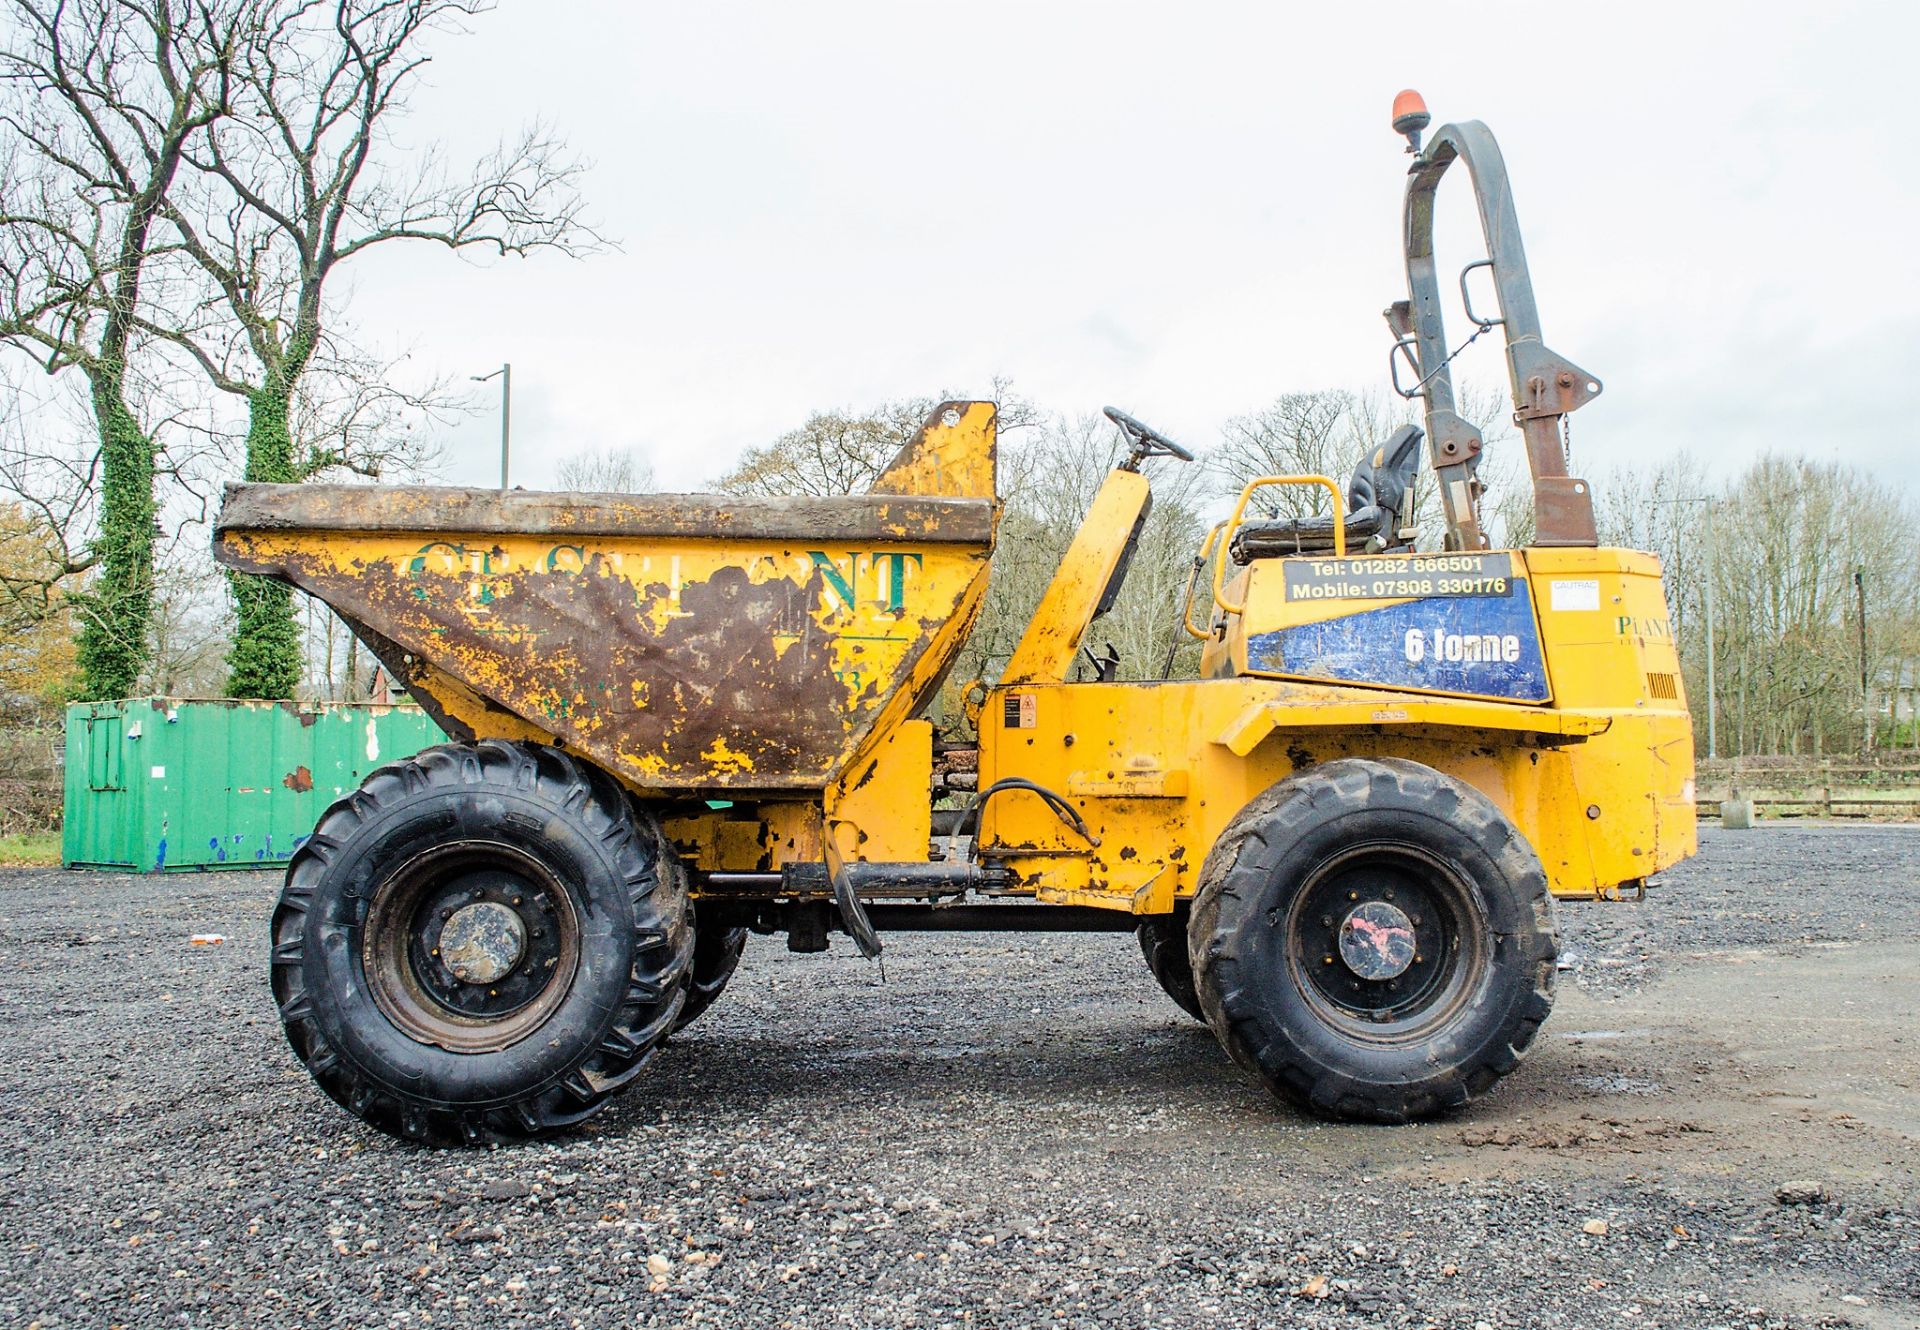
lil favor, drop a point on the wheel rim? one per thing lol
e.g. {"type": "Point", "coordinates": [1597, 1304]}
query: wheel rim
{"type": "Point", "coordinates": [1387, 942]}
{"type": "Point", "coordinates": [470, 946]}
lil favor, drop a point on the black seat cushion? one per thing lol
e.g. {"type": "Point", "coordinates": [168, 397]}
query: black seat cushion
{"type": "Point", "coordinates": [1375, 497]}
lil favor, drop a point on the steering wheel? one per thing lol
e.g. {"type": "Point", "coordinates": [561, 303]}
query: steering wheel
{"type": "Point", "coordinates": [1145, 440]}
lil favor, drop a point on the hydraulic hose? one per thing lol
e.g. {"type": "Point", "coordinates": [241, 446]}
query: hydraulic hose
{"type": "Point", "coordinates": [1063, 810]}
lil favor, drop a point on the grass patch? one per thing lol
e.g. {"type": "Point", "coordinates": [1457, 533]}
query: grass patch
{"type": "Point", "coordinates": [35, 849]}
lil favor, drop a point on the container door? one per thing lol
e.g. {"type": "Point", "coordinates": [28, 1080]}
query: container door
{"type": "Point", "coordinates": [98, 829]}
{"type": "Point", "coordinates": [106, 760]}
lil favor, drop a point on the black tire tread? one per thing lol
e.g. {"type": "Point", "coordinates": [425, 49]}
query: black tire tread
{"type": "Point", "coordinates": [1234, 876]}
{"type": "Point", "coordinates": [655, 990]}
{"type": "Point", "coordinates": [716, 955]}
{"type": "Point", "coordinates": [1163, 942]}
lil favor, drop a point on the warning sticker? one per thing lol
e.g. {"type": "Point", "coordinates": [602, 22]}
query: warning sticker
{"type": "Point", "coordinates": [1574, 594]}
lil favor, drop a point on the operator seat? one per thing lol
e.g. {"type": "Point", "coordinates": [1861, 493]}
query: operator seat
{"type": "Point", "coordinates": [1375, 497]}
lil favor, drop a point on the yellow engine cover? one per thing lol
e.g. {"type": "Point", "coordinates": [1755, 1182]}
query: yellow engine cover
{"type": "Point", "coordinates": [1545, 678]}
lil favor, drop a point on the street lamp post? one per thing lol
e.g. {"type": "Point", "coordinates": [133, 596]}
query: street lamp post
{"type": "Point", "coordinates": [505, 375]}
{"type": "Point", "coordinates": [1866, 691]}
{"type": "Point", "coordinates": [1713, 575]}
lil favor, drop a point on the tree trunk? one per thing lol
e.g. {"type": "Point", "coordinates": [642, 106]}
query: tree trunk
{"type": "Point", "coordinates": [264, 659]}
{"type": "Point", "coordinates": [117, 610]}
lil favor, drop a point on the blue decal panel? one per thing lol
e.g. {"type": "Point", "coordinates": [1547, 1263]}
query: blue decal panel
{"type": "Point", "coordinates": [1484, 646]}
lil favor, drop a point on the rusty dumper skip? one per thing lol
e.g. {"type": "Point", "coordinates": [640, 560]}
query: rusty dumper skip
{"type": "Point", "coordinates": [678, 719]}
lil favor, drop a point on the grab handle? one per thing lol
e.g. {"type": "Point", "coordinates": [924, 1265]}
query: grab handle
{"type": "Point", "coordinates": [1466, 300]}
{"type": "Point", "coordinates": [1193, 580]}
{"type": "Point", "coordinates": [1233, 522]}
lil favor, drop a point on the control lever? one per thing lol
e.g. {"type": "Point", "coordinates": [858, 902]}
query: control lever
{"type": "Point", "coordinates": [1105, 667]}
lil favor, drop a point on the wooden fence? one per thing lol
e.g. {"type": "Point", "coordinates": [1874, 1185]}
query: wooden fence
{"type": "Point", "coordinates": [1883, 789]}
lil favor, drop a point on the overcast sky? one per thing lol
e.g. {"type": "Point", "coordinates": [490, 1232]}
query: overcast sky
{"type": "Point", "coordinates": [1184, 210]}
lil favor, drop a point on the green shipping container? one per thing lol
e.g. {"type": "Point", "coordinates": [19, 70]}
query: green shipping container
{"type": "Point", "coordinates": [156, 783]}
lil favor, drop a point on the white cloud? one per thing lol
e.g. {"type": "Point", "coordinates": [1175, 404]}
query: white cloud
{"type": "Point", "coordinates": [1185, 210]}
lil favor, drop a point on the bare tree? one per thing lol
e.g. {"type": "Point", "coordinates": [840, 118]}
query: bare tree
{"type": "Point", "coordinates": [1791, 535]}
{"type": "Point", "coordinates": [353, 414]}
{"type": "Point", "coordinates": [1780, 546]}
{"type": "Point", "coordinates": [606, 471]}
{"type": "Point", "coordinates": [833, 453]}
{"type": "Point", "coordinates": [297, 181]}
{"type": "Point", "coordinates": [52, 498]}
{"type": "Point", "coordinates": [98, 101]}
{"type": "Point", "coordinates": [189, 628]}
{"type": "Point", "coordinates": [1307, 433]}
{"type": "Point", "coordinates": [840, 452]}
{"type": "Point", "coordinates": [338, 669]}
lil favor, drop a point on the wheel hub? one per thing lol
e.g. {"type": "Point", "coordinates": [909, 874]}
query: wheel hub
{"type": "Point", "coordinates": [485, 941]}
{"type": "Point", "coordinates": [1377, 940]}
{"type": "Point", "coordinates": [1384, 937]}
{"type": "Point", "coordinates": [482, 942]}
{"type": "Point", "coordinates": [470, 946]}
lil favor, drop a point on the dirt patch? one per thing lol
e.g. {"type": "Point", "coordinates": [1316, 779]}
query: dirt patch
{"type": "Point", "coordinates": [1586, 1133]}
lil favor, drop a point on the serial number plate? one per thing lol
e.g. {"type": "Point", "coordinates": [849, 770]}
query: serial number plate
{"type": "Point", "coordinates": [1420, 575]}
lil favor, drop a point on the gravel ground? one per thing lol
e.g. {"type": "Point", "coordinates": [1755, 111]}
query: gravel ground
{"type": "Point", "coordinates": [998, 1131]}
{"type": "Point", "coordinates": [1787, 889]}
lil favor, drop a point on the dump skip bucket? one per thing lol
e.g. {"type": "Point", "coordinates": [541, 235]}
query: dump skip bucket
{"type": "Point", "coordinates": [683, 642]}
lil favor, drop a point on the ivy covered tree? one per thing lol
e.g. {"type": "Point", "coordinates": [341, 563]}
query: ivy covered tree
{"type": "Point", "coordinates": [180, 180]}
{"type": "Point", "coordinates": [298, 181]}
{"type": "Point", "coordinates": [98, 102]}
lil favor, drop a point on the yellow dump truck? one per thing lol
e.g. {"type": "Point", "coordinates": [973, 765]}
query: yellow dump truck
{"type": "Point", "coordinates": [677, 719]}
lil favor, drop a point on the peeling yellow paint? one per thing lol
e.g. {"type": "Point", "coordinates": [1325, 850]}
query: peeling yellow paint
{"type": "Point", "coordinates": [723, 759]}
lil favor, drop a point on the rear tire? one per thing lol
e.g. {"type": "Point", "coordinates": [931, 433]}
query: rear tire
{"type": "Point", "coordinates": [716, 955]}
{"type": "Point", "coordinates": [1163, 941]}
{"type": "Point", "coordinates": [1374, 940]}
{"type": "Point", "coordinates": [477, 945]}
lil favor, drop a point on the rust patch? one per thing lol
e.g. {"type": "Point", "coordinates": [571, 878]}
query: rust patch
{"type": "Point", "coordinates": [306, 718]}
{"type": "Point", "coordinates": [742, 669]}
{"type": "Point", "coordinates": [448, 510]}
{"type": "Point", "coordinates": [410, 674]}
{"type": "Point", "coordinates": [299, 780]}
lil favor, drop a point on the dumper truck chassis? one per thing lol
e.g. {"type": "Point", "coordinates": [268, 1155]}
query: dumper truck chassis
{"type": "Point", "coordinates": [678, 719]}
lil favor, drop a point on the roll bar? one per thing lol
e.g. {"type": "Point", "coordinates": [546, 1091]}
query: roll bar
{"type": "Point", "coordinates": [1546, 386]}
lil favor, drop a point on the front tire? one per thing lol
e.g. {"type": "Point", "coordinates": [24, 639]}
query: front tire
{"type": "Point", "coordinates": [1374, 940]}
{"type": "Point", "coordinates": [478, 945]}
